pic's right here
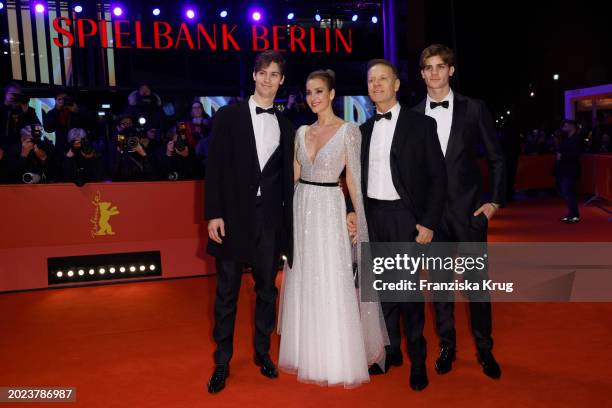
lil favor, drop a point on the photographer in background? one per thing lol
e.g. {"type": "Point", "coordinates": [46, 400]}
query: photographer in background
{"type": "Point", "coordinates": [32, 160]}
{"type": "Point", "coordinates": [64, 116]}
{"type": "Point", "coordinates": [81, 164]}
{"type": "Point", "coordinates": [128, 158]}
{"type": "Point", "coordinates": [177, 159]}
{"type": "Point", "coordinates": [15, 114]}
{"type": "Point", "coordinates": [144, 104]}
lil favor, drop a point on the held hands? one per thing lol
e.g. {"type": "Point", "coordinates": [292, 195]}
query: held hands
{"type": "Point", "coordinates": [216, 230]}
{"type": "Point", "coordinates": [351, 223]}
{"type": "Point", "coordinates": [489, 209]}
{"type": "Point", "coordinates": [425, 234]}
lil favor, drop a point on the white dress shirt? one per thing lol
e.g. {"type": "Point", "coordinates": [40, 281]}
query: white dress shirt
{"type": "Point", "coordinates": [380, 183]}
{"type": "Point", "coordinates": [267, 134]}
{"type": "Point", "coordinates": [443, 117]}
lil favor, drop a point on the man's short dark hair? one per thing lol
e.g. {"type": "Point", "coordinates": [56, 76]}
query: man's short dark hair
{"type": "Point", "coordinates": [380, 61]}
{"type": "Point", "coordinates": [264, 60]}
{"type": "Point", "coordinates": [440, 50]}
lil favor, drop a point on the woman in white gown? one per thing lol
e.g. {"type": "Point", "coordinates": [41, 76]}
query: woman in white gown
{"type": "Point", "coordinates": [328, 336]}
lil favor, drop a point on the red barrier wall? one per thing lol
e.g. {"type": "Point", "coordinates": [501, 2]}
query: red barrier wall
{"type": "Point", "coordinates": [57, 220]}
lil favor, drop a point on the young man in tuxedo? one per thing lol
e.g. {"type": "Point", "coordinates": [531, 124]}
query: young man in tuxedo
{"type": "Point", "coordinates": [249, 185]}
{"type": "Point", "coordinates": [404, 181]}
{"type": "Point", "coordinates": [462, 124]}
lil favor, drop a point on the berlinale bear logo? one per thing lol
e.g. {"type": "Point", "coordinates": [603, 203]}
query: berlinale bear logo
{"type": "Point", "coordinates": [102, 215]}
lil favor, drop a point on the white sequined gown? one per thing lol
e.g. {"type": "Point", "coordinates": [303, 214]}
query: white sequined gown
{"type": "Point", "coordinates": [327, 336]}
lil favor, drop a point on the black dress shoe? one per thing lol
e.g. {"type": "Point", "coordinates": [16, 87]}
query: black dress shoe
{"type": "Point", "coordinates": [391, 360]}
{"type": "Point", "coordinates": [489, 365]}
{"type": "Point", "coordinates": [217, 381]}
{"type": "Point", "coordinates": [444, 363]}
{"type": "Point", "coordinates": [268, 369]}
{"type": "Point", "coordinates": [418, 377]}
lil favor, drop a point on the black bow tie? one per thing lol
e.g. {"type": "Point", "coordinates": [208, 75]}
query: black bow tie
{"type": "Point", "coordinates": [259, 110]}
{"type": "Point", "coordinates": [380, 116]}
{"type": "Point", "coordinates": [434, 105]}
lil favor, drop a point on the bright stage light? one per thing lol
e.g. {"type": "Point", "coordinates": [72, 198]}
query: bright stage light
{"type": "Point", "coordinates": [142, 121]}
{"type": "Point", "coordinates": [152, 267]}
{"type": "Point", "coordinates": [318, 17]}
{"type": "Point", "coordinates": [190, 14]}
{"type": "Point", "coordinates": [374, 19]}
{"type": "Point", "coordinates": [40, 8]}
{"type": "Point", "coordinates": [142, 268]}
{"type": "Point", "coordinates": [223, 13]}
{"type": "Point", "coordinates": [118, 11]}
{"type": "Point", "coordinates": [507, 112]}
{"type": "Point", "coordinates": [532, 94]}
{"type": "Point", "coordinates": [556, 77]}
{"type": "Point", "coordinates": [112, 270]}
{"type": "Point", "coordinates": [156, 11]}
{"type": "Point", "coordinates": [1, 5]}
{"type": "Point", "coordinates": [256, 16]}
{"type": "Point", "coordinates": [59, 274]}
{"type": "Point", "coordinates": [355, 17]}
{"type": "Point", "coordinates": [91, 271]}
{"type": "Point", "coordinates": [132, 269]}
{"type": "Point", "coordinates": [122, 269]}
{"type": "Point", "coordinates": [81, 272]}
{"type": "Point", "coordinates": [78, 9]}
{"type": "Point", "coordinates": [102, 271]}
{"type": "Point", "coordinates": [290, 16]}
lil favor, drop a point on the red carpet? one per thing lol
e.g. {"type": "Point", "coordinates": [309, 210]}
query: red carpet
{"type": "Point", "coordinates": [150, 344]}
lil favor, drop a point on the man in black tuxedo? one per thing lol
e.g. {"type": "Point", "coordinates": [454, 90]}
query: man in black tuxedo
{"type": "Point", "coordinates": [462, 124]}
{"type": "Point", "coordinates": [249, 186]}
{"type": "Point", "coordinates": [404, 181]}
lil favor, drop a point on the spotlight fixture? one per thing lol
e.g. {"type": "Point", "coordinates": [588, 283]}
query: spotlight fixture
{"type": "Point", "coordinates": [78, 9]}
{"type": "Point", "coordinates": [156, 11]}
{"type": "Point", "coordinates": [118, 11]}
{"type": "Point", "coordinates": [355, 17]}
{"type": "Point", "coordinates": [90, 268]}
{"type": "Point", "coordinates": [374, 19]}
{"type": "Point", "coordinates": [507, 112]}
{"type": "Point", "coordinates": [290, 16]}
{"type": "Point", "coordinates": [1, 5]}
{"type": "Point", "coordinates": [39, 7]}
{"type": "Point", "coordinates": [142, 121]}
{"type": "Point", "coordinates": [556, 77]}
{"type": "Point", "coordinates": [190, 14]}
{"type": "Point", "coordinates": [223, 13]}
{"type": "Point", "coordinates": [318, 17]}
{"type": "Point", "coordinates": [256, 16]}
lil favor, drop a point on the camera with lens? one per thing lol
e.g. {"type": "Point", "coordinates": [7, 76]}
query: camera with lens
{"type": "Point", "coordinates": [83, 145]}
{"type": "Point", "coordinates": [31, 178]}
{"type": "Point", "coordinates": [181, 134]}
{"type": "Point", "coordinates": [128, 140]}
{"type": "Point", "coordinates": [37, 137]}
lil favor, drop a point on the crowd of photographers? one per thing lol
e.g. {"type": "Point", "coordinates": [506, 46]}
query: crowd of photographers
{"type": "Point", "coordinates": [138, 144]}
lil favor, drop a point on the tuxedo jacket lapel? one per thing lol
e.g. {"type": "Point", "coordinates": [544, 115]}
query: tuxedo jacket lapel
{"type": "Point", "coordinates": [398, 138]}
{"type": "Point", "coordinates": [249, 134]}
{"type": "Point", "coordinates": [366, 136]}
{"type": "Point", "coordinates": [457, 126]}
